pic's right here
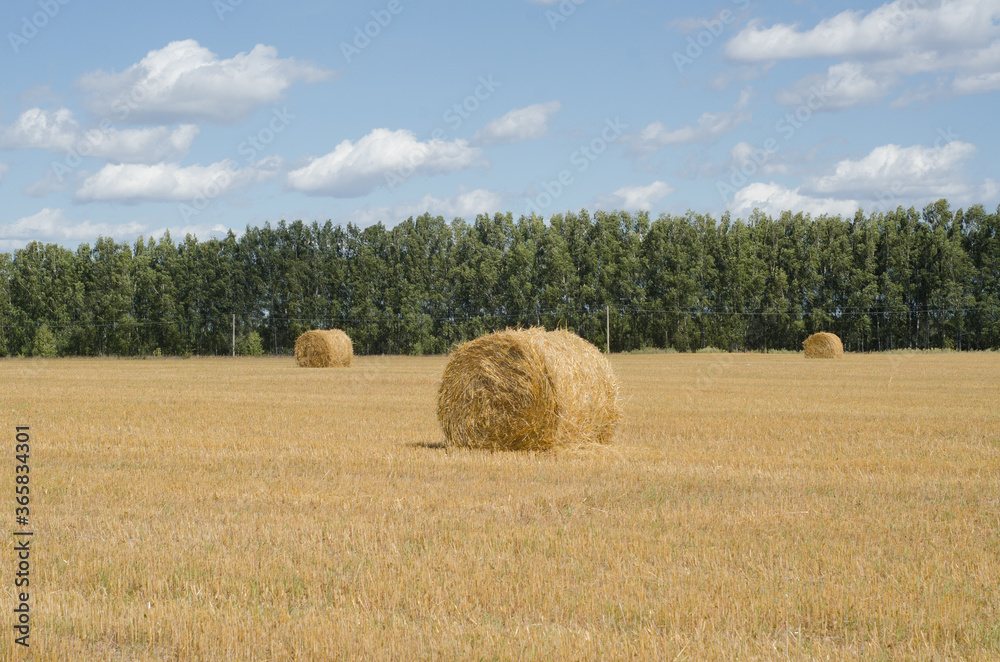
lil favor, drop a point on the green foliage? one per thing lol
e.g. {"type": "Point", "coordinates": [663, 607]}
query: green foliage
{"type": "Point", "coordinates": [250, 344]}
{"type": "Point", "coordinates": [44, 345]}
{"type": "Point", "coordinates": [898, 279]}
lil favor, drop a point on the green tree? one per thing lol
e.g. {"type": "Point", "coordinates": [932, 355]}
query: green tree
{"type": "Point", "coordinates": [946, 277]}
{"type": "Point", "coordinates": [744, 275]}
{"type": "Point", "coordinates": [8, 312]}
{"type": "Point", "coordinates": [982, 244]}
{"type": "Point", "coordinates": [250, 344]}
{"type": "Point", "coordinates": [44, 344]}
{"type": "Point", "coordinates": [558, 280]}
{"type": "Point", "coordinates": [43, 289]}
{"type": "Point", "coordinates": [862, 293]}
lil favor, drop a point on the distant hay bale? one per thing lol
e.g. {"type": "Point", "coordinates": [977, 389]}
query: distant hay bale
{"type": "Point", "coordinates": [323, 349]}
{"type": "Point", "coordinates": [528, 389]}
{"type": "Point", "coordinates": [823, 345]}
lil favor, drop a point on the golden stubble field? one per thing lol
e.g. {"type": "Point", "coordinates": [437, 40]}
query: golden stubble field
{"type": "Point", "coordinates": [753, 507]}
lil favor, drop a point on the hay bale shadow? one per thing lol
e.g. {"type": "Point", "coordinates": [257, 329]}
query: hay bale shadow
{"type": "Point", "coordinates": [433, 445]}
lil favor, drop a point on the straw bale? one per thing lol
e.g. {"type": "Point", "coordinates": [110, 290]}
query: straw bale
{"type": "Point", "coordinates": [323, 349]}
{"type": "Point", "coordinates": [528, 389]}
{"type": "Point", "coordinates": [823, 345]}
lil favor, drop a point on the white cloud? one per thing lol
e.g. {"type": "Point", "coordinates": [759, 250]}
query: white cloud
{"type": "Point", "coordinates": [889, 29]}
{"type": "Point", "coordinates": [989, 190]}
{"type": "Point", "coordinates": [144, 145]}
{"type": "Point", "coordinates": [381, 158]}
{"type": "Point", "coordinates": [54, 182]}
{"type": "Point", "coordinates": [845, 33]}
{"type": "Point", "coordinates": [844, 85]}
{"type": "Point", "coordinates": [637, 197]}
{"type": "Point", "coordinates": [52, 226]}
{"type": "Point", "coordinates": [977, 84]}
{"type": "Point", "coordinates": [709, 127]}
{"type": "Point", "coordinates": [959, 38]}
{"type": "Point", "coordinates": [201, 232]}
{"type": "Point", "coordinates": [748, 162]}
{"type": "Point", "coordinates": [57, 131]}
{"type": "Point", "coordinates": [35, 128]}
{"type": "Point", "coordinates": [774, 198]}
{"type": "Point", "coordinates": [915, 171]}
{"type": "Point", "coordinates": [185, 81]}
{"type": "Point", "coordinates": [137, 145]}
{"type": "Point", "coordinates": [765, 163]}
{"type": "Point", "coordinates": [4, 169]}
{"type": "Point", "coordinates": [169, 181]}
{"type": "Point", "coordinates": [888, 176]}
{"type": "Point", "coordinates": [464, 204]}
{"type": "Point", "coordinates": [518, 125]}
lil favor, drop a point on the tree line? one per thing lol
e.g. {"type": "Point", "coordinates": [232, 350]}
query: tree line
{"type": "Point", "coordinates": [886, 280]}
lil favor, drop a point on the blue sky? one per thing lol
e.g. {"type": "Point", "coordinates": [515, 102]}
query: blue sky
{"type": "Point", "coordinates": [198, 116]}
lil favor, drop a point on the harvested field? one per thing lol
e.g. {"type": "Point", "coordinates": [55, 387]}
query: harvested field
{"type": "Point", "coordinates": [752, 507]}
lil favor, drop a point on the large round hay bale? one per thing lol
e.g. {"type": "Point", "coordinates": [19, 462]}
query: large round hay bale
{"type": "Point", "coordinates": [823, 345]}
{"type": "Point", "coordinates": [528, 389]}
{"type": "Point", "coordinates": [323, 349]}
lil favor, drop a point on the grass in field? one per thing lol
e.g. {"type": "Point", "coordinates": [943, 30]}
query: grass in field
{"type": "Point", "coordinates": [754, 507]}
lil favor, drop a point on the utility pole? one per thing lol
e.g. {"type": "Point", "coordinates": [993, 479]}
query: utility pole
{"type": "Point", "coordinates": [607, 328]}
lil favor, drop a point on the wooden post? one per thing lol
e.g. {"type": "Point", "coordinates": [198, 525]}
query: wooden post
{"type": "Point", "coordinates": [607, 311]}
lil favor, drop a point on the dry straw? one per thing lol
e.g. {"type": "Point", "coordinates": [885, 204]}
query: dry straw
{"type": "Point", "coordinates": [823, 345]}
{"type": "Point", "coordinates": [528, 389]}
{"type": "Point", "coordinates": [324, 349]}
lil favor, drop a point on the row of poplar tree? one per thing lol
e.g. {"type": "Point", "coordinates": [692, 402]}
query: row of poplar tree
{"type": "Point", "coordinates": [886, 280]}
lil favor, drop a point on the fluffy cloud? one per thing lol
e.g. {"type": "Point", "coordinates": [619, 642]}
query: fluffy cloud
{"type": "Point", "coordinates": [51, 226]}
{"type": "Point", "coordinates": [4, 169]}
{"type": "Point", "coordinates": [887, 176]}
{"type": "Point", "coordinates": [637, 197]}
{"type": "Point", "coordinates": [915, 171]}
{"type": "Point", "coordinates": [989, 190]}
{"type": "Point", "coordinates": [844, 85]}
{"type": "Point", "coordinates": [960, 38]}
{"type": "Point", "coordinates": [143, 145]}
{"type": "Point", "coordinates": [381, 158]}
{"type": "Point", "coordinates": [846, 33]}
{"type": "Point", "coordinates": [133, 183]}
{"type": "Point", "coordinates": [518, 125]}
{"type": "Point", "coordinates": [889, 29]}
{"type": "Point", "coordinates": [774, 198]}
{"type": "Point", "coordinates": [185, 81]}
{"type": "Point", "coordinates": [57, 131]}
{"type": "Point", "coordinates": [977, 84]}
{"type": "Point", "coordinates": [708, 128]}
{"type": "Point", "coordinates": [54, 181]}
{"type": "Point", "coordinates": [464, 204]}
{"type": "Point", "coordinates": [743, 153]}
